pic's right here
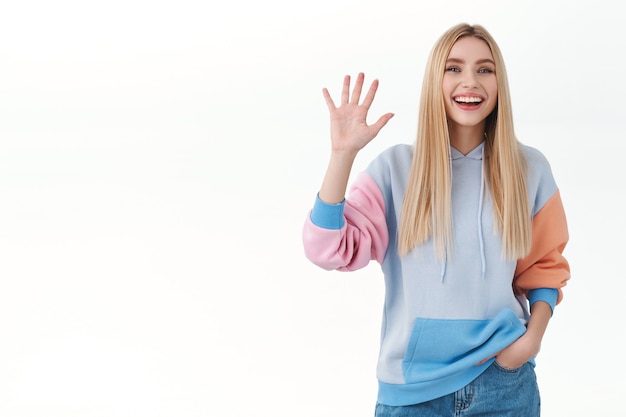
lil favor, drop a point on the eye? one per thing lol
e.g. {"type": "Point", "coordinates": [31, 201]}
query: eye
{"type": "Point", "coordinates": [485, 71]}
{"type": "Point", "coordinates": [453, 69]}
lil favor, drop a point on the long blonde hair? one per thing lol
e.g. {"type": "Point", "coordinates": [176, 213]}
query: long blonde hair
{"type": "Point", "coordinates": [426, 210]}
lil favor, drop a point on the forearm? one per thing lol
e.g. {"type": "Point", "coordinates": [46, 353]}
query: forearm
{"type": "Point", "coordinates": [540, 315]}
{"type": "Point", "coordinates": [333, 189]}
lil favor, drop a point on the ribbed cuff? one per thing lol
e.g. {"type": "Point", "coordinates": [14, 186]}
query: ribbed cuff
{"type": "Point", "coordinates": [328, 216]}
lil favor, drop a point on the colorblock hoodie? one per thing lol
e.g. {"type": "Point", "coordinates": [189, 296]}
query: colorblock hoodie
{"type": "Point", "coordinates": [441, 317]}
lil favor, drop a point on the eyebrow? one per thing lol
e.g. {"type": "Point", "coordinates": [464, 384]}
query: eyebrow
{"type": "Point", "coordinates": [480, 61]}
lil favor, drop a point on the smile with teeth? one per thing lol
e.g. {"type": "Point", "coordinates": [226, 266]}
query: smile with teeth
{"type": "Point", "coordinates": [468, 100]}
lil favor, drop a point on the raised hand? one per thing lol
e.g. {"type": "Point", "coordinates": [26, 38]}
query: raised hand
{"type": "Point", "coordinates": [349, 130]}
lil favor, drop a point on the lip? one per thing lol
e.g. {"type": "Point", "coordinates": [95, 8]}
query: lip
{"type": "Point", "coordinates": [468, 106]}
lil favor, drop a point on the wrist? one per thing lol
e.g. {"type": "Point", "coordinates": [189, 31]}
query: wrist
{"type": "Point", "coordinates": [343, 154]}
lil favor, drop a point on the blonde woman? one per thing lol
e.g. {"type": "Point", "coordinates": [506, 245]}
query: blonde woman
{"type": "Point", "coordinates": [468, 227]}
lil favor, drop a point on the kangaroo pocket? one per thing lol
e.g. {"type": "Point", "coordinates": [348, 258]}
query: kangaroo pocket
{"type": "Point", "coordinates": [441, 348]}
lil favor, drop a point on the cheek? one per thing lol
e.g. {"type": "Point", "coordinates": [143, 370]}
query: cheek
{"type": "Point", "coordinates": [447, 90]}
{"type": "Point", "coordinates": [447, 105]}
{"type": "Point", "coordinates": [447, 86]}
{"type": "Point", "coordinates": [492, 90]}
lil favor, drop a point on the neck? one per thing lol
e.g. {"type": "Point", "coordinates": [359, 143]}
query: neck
{"type": "Point", "coordinates": [464, 139]}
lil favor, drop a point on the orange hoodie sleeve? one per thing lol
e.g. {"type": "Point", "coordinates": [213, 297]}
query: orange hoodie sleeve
{"type": "Point", "coordinates": [545, 266]}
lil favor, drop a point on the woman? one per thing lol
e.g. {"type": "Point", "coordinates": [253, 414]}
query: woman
{"type": "Point", "coordinates": [468, 227]}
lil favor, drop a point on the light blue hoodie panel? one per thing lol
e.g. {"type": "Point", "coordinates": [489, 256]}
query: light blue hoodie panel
{"type": "Point", "coordinates": [442, 316]}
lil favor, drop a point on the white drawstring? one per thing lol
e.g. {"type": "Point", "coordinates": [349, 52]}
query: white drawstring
{"type": "Point", "coordinates": [481, 239]}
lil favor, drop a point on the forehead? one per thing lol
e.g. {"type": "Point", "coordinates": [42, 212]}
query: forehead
{"type": "Point", "coordinates": [470, 48]}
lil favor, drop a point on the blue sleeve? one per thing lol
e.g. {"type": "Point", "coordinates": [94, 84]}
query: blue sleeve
{"type": "Point", "coordinates": [548, 295]}
{"type": "Point", "coordinates": [328, 216]}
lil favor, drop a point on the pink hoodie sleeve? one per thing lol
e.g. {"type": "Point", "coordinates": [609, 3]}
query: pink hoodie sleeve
{"type": "Point", "coordinates": [347, 236]}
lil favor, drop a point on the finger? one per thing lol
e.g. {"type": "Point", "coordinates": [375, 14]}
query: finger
{"type": "Point", "coordinates": [358, 87]}
{"type": "Point", "coordinates": [329, 101]}
{"type": "Point", "coordinates": [487, 358]}
{"type": "Point", "coordinates": [371, 93]}
{"type": "Point", "coordinates": [483, 361]}
{"type": "Point", "coordinates": [345, 92]}
{"type": "Point", "coordinates": [382, 121]}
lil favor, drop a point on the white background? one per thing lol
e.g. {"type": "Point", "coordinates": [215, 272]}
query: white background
{"type": "Point", "coordinates": [157, 161]}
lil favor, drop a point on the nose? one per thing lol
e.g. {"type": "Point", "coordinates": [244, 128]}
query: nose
{"type": "Point", "coordinates": [469, 80]}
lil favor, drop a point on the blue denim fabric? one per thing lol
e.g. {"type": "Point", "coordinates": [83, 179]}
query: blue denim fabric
{"type": "Point", "coordinates": [497, 392]}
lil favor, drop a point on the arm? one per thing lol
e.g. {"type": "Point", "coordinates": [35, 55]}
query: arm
{"type": "Point", "coordinates": [540, 276]}
{"type": "Point", "coordinates": [340, 234]}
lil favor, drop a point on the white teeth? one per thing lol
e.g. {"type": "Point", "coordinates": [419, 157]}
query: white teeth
{"type": "Point", "coordinates": [468, 99]}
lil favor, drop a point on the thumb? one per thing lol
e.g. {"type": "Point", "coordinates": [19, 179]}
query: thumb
{"type": "Point", "coordinates": [487, 358]}
{"type": "Point", "coordinates": [382, 121]}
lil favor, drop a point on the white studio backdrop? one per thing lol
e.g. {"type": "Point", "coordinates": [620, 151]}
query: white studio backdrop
{"type": "Point", "coordinates": [157, 161]}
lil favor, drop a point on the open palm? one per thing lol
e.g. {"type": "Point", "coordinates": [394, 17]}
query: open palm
{"type": "Point", "coordinates": [349, 130]}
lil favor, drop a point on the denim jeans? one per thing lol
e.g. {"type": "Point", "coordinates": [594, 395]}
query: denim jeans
{"type": "Point", "coordinates": [497, 392]}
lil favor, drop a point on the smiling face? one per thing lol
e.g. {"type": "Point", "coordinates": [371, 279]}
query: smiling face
{"type": "Point", "coordinates": [470, 89]}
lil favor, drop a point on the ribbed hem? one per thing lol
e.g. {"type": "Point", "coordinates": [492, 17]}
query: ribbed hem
{"type": "Point", "coordinates": [409, 394]}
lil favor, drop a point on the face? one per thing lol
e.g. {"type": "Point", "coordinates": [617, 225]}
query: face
{"type": "Point", "coordinates": [470, 88]}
